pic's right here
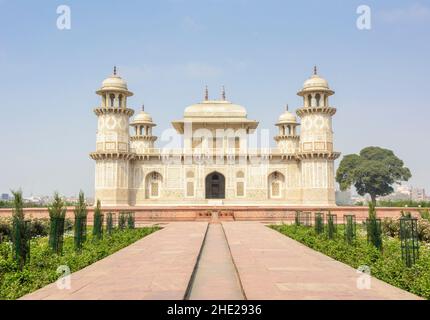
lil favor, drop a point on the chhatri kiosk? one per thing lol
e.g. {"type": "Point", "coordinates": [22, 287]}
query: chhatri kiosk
{"type": "Point", "coordinates": [216, 164]}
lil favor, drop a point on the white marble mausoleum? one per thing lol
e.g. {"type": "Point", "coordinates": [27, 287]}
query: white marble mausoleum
{"type": "Point", "coordinates": [215, 164]}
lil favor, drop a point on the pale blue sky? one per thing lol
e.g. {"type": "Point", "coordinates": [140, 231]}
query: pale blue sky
{"type": "Point", "coordinates": [262, 51]}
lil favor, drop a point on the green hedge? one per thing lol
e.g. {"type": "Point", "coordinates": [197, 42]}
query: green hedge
{"type": "Point", "coordinates": [39, 227]}
{"type": "Point", "coordinates": [386, 265]}
{"type": "Point", "coordinates": [42, 268]}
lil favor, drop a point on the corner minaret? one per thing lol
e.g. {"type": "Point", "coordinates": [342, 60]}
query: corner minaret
{"type": "Point", "coordinates": [113, 154]}
{"type": "Point", "coordinates": [287, 139]}
{"type": "Point", "coordinates": [142, 138]}
{"type": "Point", "coordinates": [316, 142]}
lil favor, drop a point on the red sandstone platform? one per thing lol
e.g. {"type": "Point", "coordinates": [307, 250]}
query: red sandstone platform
{"type": "Point", "coordinates": [225, 212]}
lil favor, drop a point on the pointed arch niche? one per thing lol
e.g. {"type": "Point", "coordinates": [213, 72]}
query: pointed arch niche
{"type": "Point", "coordinates": [275, 185]}
{"type": "Point", "coordinates": [153, 182]}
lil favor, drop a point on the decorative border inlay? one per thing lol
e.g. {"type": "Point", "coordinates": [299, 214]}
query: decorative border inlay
{"type": "Point", "coordinates": [99, 111]}
{"type": "Point", "coordinates": [309, 110]}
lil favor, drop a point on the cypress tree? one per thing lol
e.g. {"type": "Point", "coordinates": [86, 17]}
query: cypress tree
{"type": "Point", "coordinates": [109, 223]}
{"type": "Point", "coordinates": [80, 222]}
{"type": "Point", "coordinates": [20, 231]}
{"type": "Point", "coordinates": [57, 215]}
{"type": "Point", "coordinates": [98, 222]}
{"type": "Point", "coordinates": [374, 231]}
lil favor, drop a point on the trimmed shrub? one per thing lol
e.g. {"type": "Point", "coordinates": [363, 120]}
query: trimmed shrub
{"type": "Point", "coordinates": [109, 223]}
{"type": "Point", "coordinates": [391, 227]}
{"type": "Point", "coordinates": [350, 228]}
{"type": "Point", "coordinates": [122, 220]}
{"type": "Point", "coordinates": [5, 228]}
{"type": "Point", "coordinates": [425, 214]}
{"type": "Point", "coordinates": [131, 220]}
{"type": "Point", "coordinates": [297, 218]}
{"type": "Point", "coordinates": [39, 227]}
{"type": "Point", "coordinates": [423, 230]}
{"type": "Point", "coordinates": [331, 225]}
{"type": "Point", "coordinates": [319, 222]}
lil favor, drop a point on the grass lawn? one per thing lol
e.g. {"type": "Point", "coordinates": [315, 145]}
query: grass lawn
{"type": "Point", "coordinates": [386, 265]}
{"type": "Point", "coordinates": [42, 268]}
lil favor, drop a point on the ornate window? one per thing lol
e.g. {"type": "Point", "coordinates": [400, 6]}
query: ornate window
{"type": "Point", "coordinates": [240, 184]}
{"type": "Point", "coordinates": [190, 184]}
{"type": "Point", "coordinates": [154, 189]}
{"type": "Point", "coordinates": [153, 185]}
{"type": "Point", "coordinates": [275, 189]}
{"type": "Point", "coordinates": [237, 142]}
{"type": "Point", "coordinates": [276, 182]}
{"type": "Point", "coordinates": [190, 188]}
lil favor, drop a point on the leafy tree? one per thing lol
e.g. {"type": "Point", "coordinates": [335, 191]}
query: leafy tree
{"type": "Point", "coordinates": [373, 171]}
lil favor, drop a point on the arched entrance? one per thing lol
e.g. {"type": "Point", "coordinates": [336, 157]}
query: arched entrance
{"type": "Point", "coordinates": [215, 186]}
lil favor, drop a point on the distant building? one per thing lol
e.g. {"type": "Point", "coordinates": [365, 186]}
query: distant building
{"type": "Point", "coordinates": [403, 191]}
{"type": "Point", "coordinates": [357, 198]}
{"type": "Point", "coordinates": [418, 194]}
{"type": "Point", "coordinates": [5, 197]}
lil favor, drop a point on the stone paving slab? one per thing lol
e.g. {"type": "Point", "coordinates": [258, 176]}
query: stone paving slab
{"type": "Point", "coordinates": [158, 266]}
{"type": "Point", "coordinates": [273, 266]}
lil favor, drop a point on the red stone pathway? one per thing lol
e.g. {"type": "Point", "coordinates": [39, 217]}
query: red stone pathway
{"type": "Point", "coordinates": [158, 266]}
{"type": "Point", "coordinates": [273, 266]}
{"type": "Point", "coordinates": [269, 264]}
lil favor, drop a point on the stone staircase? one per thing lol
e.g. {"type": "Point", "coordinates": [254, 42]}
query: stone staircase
{"type": "Point", "coordinates": [215, 216]}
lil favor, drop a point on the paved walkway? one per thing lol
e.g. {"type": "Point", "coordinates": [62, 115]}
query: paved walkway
{"type": "Point", "coordinates": [158, 266]}
{"type": "Point", "coordinates": [269, 266]}
{"type": "Point", "coordinates": [273, 266]}
{"type": "Point", "coordinates": [215, 277]}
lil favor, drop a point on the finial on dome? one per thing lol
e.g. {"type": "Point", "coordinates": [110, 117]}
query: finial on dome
{"type": "Point", "coordinates": [114, 70]}
{"type": "Point", "coordinates": [286, 107]}
{"type": "Point", "coordinates": [143, 107]}
{"type": "Point", "coordinates": [315, 70]}
{"type": "Point", "coordinates": [223, 93]}
{"type": "Point", "coordinates": [206, 94]}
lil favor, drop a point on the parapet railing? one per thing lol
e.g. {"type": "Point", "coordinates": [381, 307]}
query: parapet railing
{"type": "Point", "coordinates": [209, 151]}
